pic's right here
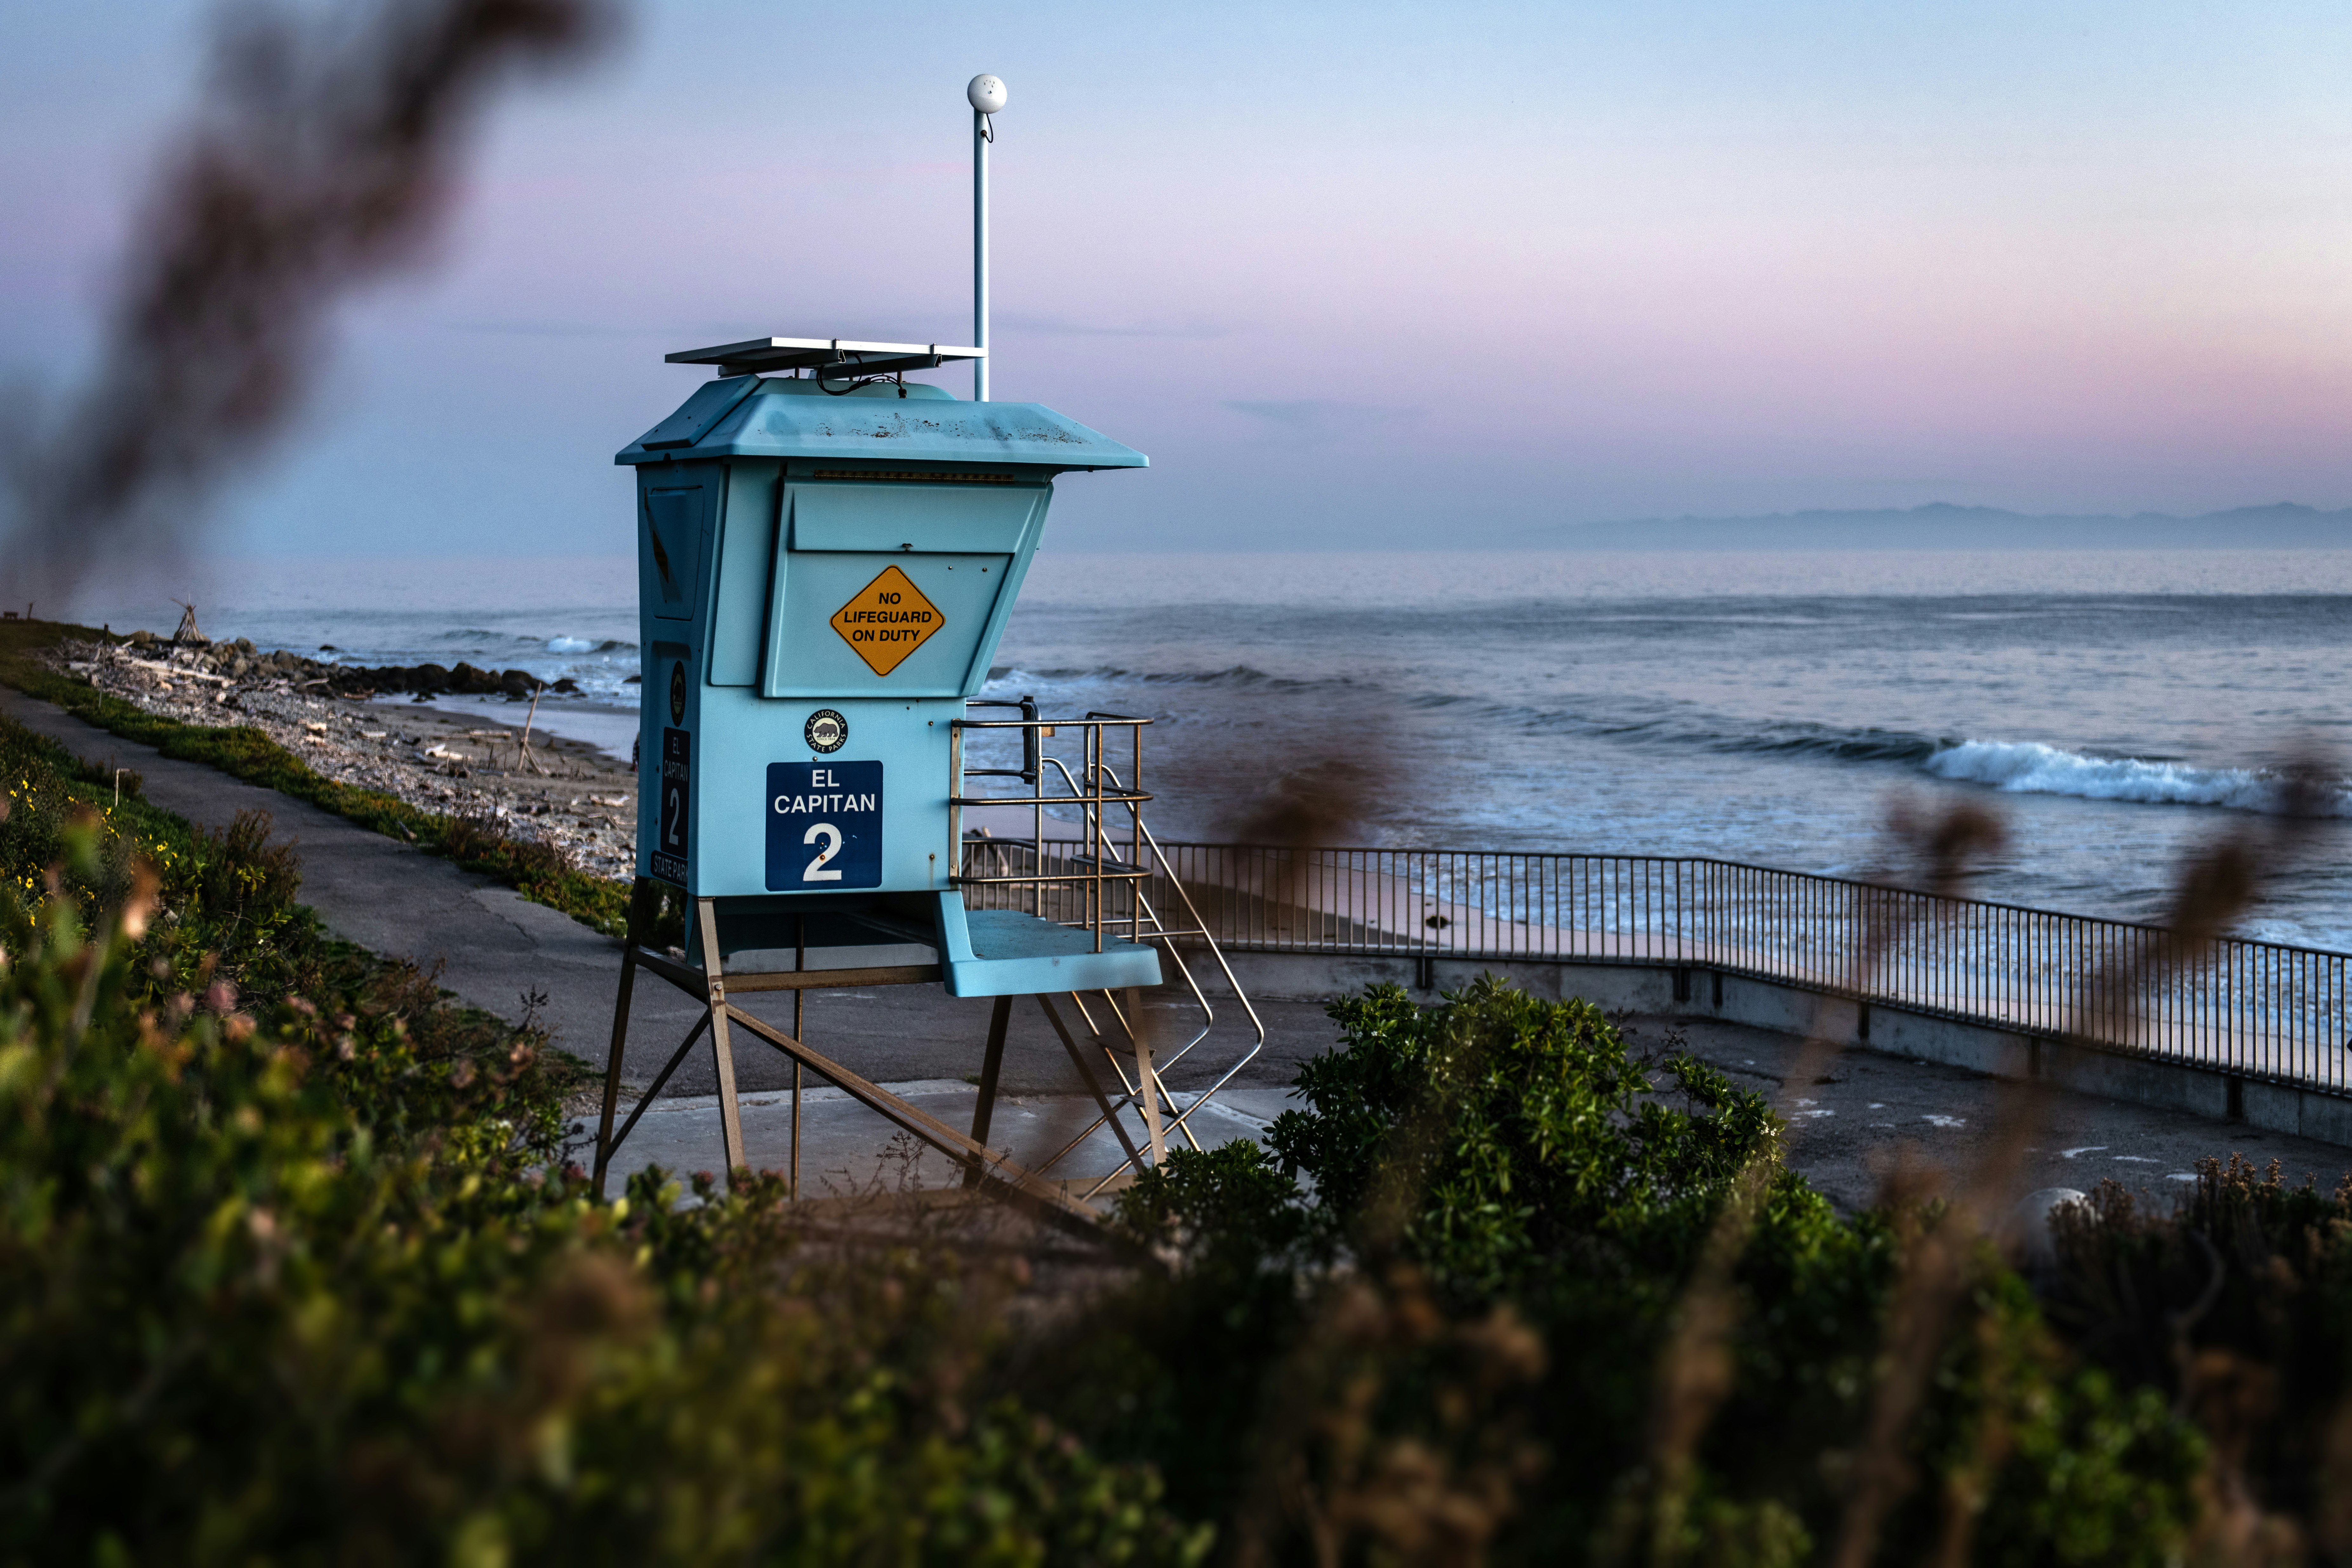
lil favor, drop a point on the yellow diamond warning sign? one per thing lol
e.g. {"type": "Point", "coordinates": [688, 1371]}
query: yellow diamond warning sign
{"type": "Point", "coordinates": [888, 620]}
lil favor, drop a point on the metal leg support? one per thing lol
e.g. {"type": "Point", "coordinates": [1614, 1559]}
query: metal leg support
{"type": "Point", "coordinates": [800, 999]}
{"type": "Point", "coordinates": [653, 1091]}
{"type": "Point", "coordinates": [605, 1140]}
{"type": "Point", "coordinates": [1138, 1033]}
{"type": "Point", "coordinates": [999, 1022]}
{"type": "Point", "coordinates": [731, 1114]}
{"type": "Point", "coordinates": [1094, 1087]}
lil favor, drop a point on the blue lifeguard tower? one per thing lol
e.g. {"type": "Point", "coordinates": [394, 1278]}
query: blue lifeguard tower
{"type": "Point", "coordinates": [827, 557]}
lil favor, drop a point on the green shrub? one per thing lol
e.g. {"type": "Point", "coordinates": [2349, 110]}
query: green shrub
{"type": "Point", "coordinates": [1497, 1133]}
{"type": "Point", "coordinates": [1450, 1344]}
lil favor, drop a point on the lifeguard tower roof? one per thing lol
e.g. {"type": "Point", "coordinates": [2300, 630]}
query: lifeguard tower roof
{"type": "Point", "coordinates": [836, 412]}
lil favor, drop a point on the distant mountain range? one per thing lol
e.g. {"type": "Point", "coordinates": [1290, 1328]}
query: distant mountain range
{"type": "Point", "coordinates": [1942, 526]}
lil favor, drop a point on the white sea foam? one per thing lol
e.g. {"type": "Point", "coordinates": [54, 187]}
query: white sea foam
{"type": "Point", "coordinates": [569, 645]}
{"type": "Point", "coordinates": [2029, 767]}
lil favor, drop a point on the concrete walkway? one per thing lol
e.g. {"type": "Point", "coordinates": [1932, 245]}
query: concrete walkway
{"type": "Point", "coordinates": [1855, 1115]}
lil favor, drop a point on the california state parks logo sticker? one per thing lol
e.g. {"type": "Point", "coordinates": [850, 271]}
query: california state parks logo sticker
{"type": "Point", "coordinates": [826, 731]}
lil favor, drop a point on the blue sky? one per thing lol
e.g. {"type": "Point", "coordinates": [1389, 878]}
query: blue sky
{"type": "Point", "coordinates": [1363, 276]}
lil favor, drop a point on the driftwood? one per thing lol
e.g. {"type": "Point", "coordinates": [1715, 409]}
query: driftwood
{"type": "Point", "coordinates": [178, 671]}
{"type": "Point", "coordinates": [523, 750]}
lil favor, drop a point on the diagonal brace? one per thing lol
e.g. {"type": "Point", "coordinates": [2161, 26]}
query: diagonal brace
{"type": "Point", "coordinates": [1041, 1194]}
{"type": "Point", "coordinates": [646, 1101]}
{"type": "Point", "coordinates": [1094, 1084]}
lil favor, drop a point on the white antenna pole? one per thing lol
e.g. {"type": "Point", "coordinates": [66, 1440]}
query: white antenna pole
{"type": "Point", "coordinates": [979, 254]}
{"type": "Point", "coordinates": [986, 96]}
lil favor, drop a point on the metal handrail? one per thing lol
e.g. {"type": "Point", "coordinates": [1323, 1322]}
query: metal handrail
{"type": "Point", "coordinates": [1099, 874]}
{"type": "Point", "coordinates": [2244, 1005]}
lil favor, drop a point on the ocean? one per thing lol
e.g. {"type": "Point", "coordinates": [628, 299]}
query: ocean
{"type": "Point", "coordinates": [2120, 710]}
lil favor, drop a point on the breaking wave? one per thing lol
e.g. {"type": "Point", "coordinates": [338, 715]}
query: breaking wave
{"type": "Point", "coordinates": [1839, 746]}
{"type": "Point", "coordinates": [2023, 767]}
{"type": "Point", "coordinates": [1238, 677]}
{"type": "Point", "coordinates": [2029, 767]}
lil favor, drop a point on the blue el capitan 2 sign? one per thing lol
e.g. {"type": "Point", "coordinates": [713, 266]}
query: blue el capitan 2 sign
{"type": "Point", "coordinates": [825, 826]}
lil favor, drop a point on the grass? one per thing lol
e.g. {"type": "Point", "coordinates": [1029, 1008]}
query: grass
{"type": "Point", "coordinates": [224, 908]}
{"type": "Point", "coordinates": [538, 871]}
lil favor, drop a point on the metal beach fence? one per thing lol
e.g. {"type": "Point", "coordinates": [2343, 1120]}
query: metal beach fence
{"type": "Point", "coordinates": [2259, 1010]}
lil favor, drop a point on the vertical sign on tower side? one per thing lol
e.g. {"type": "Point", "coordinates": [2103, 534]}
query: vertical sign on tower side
{"type": "Point", "coordinates": [677, 794]}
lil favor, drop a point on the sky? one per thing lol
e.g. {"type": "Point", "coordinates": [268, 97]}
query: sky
{"type": "Point", "coordinates": [1372, 275]}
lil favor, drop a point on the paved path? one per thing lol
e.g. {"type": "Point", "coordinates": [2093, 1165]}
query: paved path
{"type": "Point", "coordinates": [1855, 1114]}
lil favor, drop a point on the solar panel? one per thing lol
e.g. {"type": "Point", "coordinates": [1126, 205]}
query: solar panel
{"type": "Point", "coordinates": [831, 357]}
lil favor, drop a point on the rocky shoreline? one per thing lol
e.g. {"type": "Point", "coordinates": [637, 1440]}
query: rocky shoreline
{"type": "Point", "coordinates": [336, 718]}
{"type": "Point", "coordinates": [240, 660]}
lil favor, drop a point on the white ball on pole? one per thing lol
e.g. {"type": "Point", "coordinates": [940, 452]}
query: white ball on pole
{"type": "Point", "coordinates": [986, 94]}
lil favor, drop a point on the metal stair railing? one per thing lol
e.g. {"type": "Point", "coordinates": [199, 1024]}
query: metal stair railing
{"type": "Point", "coordinates": [1103, 869]}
